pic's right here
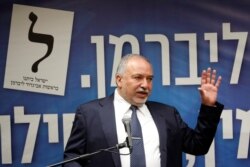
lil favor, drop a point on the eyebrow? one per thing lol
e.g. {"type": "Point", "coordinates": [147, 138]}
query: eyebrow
{"type": "Point", "coordinates": [151, 76]}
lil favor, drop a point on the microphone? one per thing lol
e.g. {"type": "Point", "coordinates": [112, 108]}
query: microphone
{"type": "Point", "coordinates": [127, 124]}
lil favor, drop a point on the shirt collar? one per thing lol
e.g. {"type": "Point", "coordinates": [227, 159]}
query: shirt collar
{"type": "Point", "coordinates": [121, 101]}
{"type": "Point", "coordinates": [125, 105]}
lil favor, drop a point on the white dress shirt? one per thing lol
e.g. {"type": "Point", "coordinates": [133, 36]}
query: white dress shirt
{"type": "Point", "coordinates": [149, 132]}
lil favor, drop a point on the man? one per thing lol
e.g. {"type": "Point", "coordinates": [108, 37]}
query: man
{"type": "Point", "coordinates": [98, 124]}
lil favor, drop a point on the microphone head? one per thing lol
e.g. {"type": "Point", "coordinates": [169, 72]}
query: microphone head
{"type": "Point", "coordinates": [126, 119]}
{"type": "Point", "coordinates": [127, 124]}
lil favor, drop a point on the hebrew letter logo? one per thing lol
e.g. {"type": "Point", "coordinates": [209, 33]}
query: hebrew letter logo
{"type": "Point", "coordinates": [40, 38]}
{"type": "Point", "coordinates": [38, 50]}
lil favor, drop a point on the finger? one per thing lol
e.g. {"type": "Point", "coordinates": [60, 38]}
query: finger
{"type": "Point", "coordinates": [218, 82]}
{"type": "Point", "coordinates": [213, 77]}
{"type": "Point", "coordinates": [208, 79]}
{"type": "Point", "coordinates": [203, 77]}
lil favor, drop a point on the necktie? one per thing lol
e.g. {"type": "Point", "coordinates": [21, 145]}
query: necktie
{"type": "Point", "coordinates": [137, 157]}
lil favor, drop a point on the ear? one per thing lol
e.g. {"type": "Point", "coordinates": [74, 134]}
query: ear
{"type": "Point", "coordinates": [118, 80]}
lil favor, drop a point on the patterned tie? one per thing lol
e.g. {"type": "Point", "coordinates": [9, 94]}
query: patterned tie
{"type": "Point", "coordinates": [137, 157]}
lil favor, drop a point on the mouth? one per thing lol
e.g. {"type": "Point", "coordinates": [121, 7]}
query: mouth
{"type": "Point", "coordinates": [142, 94]}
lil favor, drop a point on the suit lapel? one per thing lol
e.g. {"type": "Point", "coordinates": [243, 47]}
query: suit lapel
{"type": "Point", "coordinates": [107, 117]}
{"type": "Point", "coordinates": [162, 130]}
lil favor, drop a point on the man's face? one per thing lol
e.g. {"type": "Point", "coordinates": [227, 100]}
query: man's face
{"type": "Point", "coordinates": [135, 84]}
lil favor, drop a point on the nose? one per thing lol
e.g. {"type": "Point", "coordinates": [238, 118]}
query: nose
{"type": "Point", "coordinates": [146, 83]}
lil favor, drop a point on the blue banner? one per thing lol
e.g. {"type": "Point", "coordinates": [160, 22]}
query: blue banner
{"type": "Point", "coordinates": [55, 55]}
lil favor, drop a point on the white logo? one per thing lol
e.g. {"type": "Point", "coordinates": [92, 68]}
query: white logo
{"type": "Point", "coordinates": [38, 49]}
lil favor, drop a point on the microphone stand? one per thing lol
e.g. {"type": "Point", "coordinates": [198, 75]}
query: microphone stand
{"type": "Point", "coordinates": [84, 156]}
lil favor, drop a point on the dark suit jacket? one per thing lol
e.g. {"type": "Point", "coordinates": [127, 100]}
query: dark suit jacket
{"type": "Point", "coordinates": [94, 128]}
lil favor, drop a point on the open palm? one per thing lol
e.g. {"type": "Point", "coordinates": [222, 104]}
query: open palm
{"type": "Point", "coordinates": [209, 87]}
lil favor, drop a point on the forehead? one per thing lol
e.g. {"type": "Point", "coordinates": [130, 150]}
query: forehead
{"type": "Point", "coordinates": [137, 65]}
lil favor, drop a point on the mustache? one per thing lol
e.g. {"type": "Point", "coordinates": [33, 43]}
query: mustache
{"type": "Point", "coordinates": [143, 90]}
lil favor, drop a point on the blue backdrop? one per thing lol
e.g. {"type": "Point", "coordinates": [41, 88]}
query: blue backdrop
{"type": "Point", "coordinates": [180, 38]}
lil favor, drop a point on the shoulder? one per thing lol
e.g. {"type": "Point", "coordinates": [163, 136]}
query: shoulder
{"type": "Point", "coordinates": [95, 104]}
{"type": "Point", "coordinates": [167, 112]}
{"type": "Point", "coordinates": [160, 106]}
{"type": "Point", "coordinates": [162, 109]}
